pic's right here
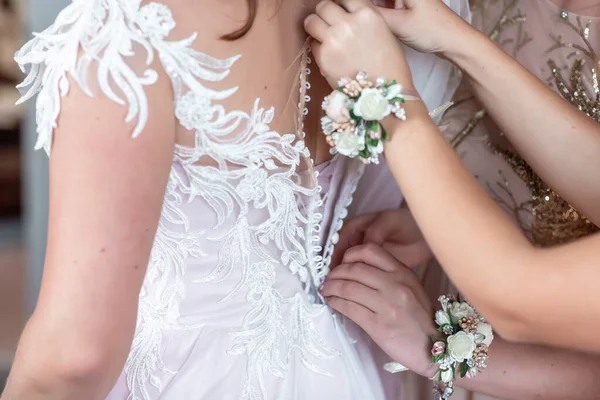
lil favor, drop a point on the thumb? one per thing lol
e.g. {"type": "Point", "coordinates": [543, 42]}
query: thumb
{"type": "Point", "coordinates": [396, 19]}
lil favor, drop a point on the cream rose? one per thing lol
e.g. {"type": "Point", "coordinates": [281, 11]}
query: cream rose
{"type": "Point", "coordinates": [372, 105]}
{"type": "Point", "coordinates": [348, 144]}
{"type": "Point", "coordinates": [461, 346]}
{"type": "Point", "coordinates": [335, 107]}
{"type": "Point", "coordinates": [486, 331]}
{"type": "Point", "coordinates": [442, 318]}
{"type": "Point", "coordinates": [459, 311]}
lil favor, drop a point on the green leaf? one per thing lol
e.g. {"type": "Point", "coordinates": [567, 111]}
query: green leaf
{"type": "Point", "coordinates": [454, 372]}
{"type": "Point", "coordinates": [373, 126]}
{"type": "Point", "coordinates": [355, 117]}
{"type": "Point", "coordinates": [464, 368]}
{"type": "Point", "coordinates": [398, 100]}
{"type": "Point", "coordinates": [384, 134]}
{"type": "Point", "coordinates": [437, 359]}
{"type": "Point", "coordinates": [392, 83]}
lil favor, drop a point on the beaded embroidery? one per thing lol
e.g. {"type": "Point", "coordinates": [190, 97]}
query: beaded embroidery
{"type": "Point", "coordinates": [554, 221]}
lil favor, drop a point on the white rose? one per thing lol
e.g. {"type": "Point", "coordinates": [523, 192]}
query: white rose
{"type": "Point", "coordinates": [459, 311]}
{"type": "Point", "coordinates": [461, 346]}
{"type": "Point", "coordinates": [442, 318]}
{"type": "Point", "coordinates": [486, 331]}
{"type": "Point", "coordinates": [372, 105]}
{"type": "Point", "coordinates": [348, 144]}
{"type": "Point", "coordinates": [335, 107]}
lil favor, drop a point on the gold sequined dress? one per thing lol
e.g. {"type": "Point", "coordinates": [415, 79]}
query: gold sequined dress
{"type": "Point", "coordinates": [562, 48]}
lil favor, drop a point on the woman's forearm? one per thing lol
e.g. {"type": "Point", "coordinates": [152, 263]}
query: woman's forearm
{"type": "Point", "coordinates": [523, 291]}
{"type": "Point", "coordinates": [524, 372]}
{"type": "Point", "coordinates": [555, 138]}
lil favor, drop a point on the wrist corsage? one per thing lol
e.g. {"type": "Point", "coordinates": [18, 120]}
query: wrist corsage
{"type": "Point", "coordinates": [464, 350]}
{"type": "Point", "coordinates": [353, 114]}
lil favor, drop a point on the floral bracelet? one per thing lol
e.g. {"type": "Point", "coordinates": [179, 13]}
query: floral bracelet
{"type": "Point", "coordinates": [464, 350]}
{"type": "Point", "coordinates": [353, 114]}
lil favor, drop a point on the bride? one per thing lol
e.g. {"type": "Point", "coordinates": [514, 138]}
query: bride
{"type": "Point", "coordinates": [191, 219]}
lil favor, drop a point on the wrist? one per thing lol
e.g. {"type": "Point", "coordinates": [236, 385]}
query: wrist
{"type": "Point", "coordinates": [417, 119]}
{"type": "Point", "coordinates": [465, 46]}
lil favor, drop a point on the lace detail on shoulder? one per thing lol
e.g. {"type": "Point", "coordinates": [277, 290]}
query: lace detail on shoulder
{"type": "Point", "coordinates": [103, 32]}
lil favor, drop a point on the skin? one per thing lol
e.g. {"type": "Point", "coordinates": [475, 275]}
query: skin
{"type": "Point", "coordinates": [466, 231]}
{"type": "Point", "coordinates": [98, 249]}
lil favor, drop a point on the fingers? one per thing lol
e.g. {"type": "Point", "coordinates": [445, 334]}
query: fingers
{"type": "Point", "coordinates": [357, 313]}
{"type": "Point", "coordinates": [374, 255]}
{"type": "Point", "coordinates": [355, 5]}
{"type": "Point", "coordinates": [368, 275]}
{"type": "Point", "coordinates": [330, 12]}
{"type": "Point", "coordinates": [354, 292]}
{"type": "Point", "coordinates": [396, 18]}
{"type": "Point", "coordinates": [316, 27]}
{"type": "Point", "coordinates": [412, 255]}
{"type": "Point", "coordinates": [351, 235]}
{"type": "Point", "coordinates": [397, 224]}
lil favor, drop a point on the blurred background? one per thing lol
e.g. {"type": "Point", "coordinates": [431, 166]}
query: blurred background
{"type": "Point", "coordinates": [23, 179]}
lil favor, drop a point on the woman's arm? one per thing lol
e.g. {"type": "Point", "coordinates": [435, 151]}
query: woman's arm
{"type": "Point", "coordinates": [106, 193]}
{"type": "Point", "coordinates": [383, 296]}
{"type": "Point", "coordinates": [560, 142]}
{"type": "Point", "coordinates": [529, 372]}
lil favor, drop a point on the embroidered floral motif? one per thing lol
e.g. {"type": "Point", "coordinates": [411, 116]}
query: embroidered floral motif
{"type": "Point", "coordinates": [194, 111]}
{"type": "Point", "coordinates": [155, 20]}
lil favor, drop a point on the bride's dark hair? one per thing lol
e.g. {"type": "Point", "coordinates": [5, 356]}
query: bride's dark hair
{"type": "Point", "coordinates": [252, 9]}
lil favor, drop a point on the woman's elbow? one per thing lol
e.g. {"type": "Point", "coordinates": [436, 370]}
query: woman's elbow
{"type": "Point", "coordinates": [91, 367]}
{"type": "Point", "coordinates": [64, 370]}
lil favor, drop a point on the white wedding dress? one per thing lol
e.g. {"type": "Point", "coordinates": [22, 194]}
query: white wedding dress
{"type": "Point", "coordinates": [229, 308]}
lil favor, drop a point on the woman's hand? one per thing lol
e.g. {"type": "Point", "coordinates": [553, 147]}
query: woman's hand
{"type": "Point", "coordinates": [353, 37]}
{"type": "Point", "coordinates": [386, 299]}
{"type": "Point", "coordinates": [396, 231]}
{"type": "Point", "coordinates": [428, 26]}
